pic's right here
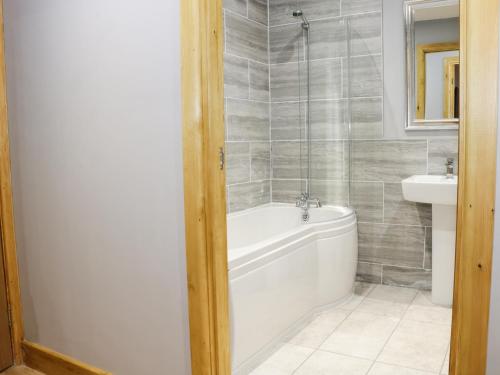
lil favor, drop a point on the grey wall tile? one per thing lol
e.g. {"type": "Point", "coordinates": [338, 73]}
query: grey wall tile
{"type": "Point", "coordinates": [235, 77]}
{"type": "Point", "coordinates": [237, 6]}
{"type": "Point", "coordinates": [367, 198]}
{"type": "Point", "coordinates": [288, 121]}
{"type": "Point", "coordinates": [314, 9]}
{"type": "Point", "coordinates": [367, 118]}
{"type": "Point", "coordinates": [365, 76]}
{"type": "Point", "coordinates": [287, 191]}
{"type": "Point", "coordinates": [257, 11]}
{"type": "Point", "coordinates": [361, 6]}
{"type": "Point", "coordinates": [327, 160]}
{"type": "Point", "coordinates": [285, 85]}
{"type": "Point", "coordinates": [259, 81]}
{"type": "Point", "coordinates": [328, 38]}
{"type": "Point", "coordinates": [330, 192]}
{"type": "Point", "coordinates": [252, 194]}
{"type": "Point", "coordinates": [238, 162]}
{"type": "Point", "coordinates": [407, 277]}
{"type": "Point", "coordinates": [439, 150]}
{"type": "Point", "coordinates": [428, 248]}
{"type": "Point", "coordinates": [366, 34]}
{"type": "Point", "coordinates": [246, 38]}
{"type": "Point", "coordinates": [260, 153]}
{"type": "Point", "coordinates": [286, 44]}
{"type": "Point", "coordinates": [289, 160]}
{"type": "Point", "coordinates": [398, 245]}
{"type": "Point", "coordinates": [389, 161]}
{"type": "Point", "coordinates": [326, 79]}
{"type": "Point", "coordinates": [247, 120]}
{"type": "Point", "coordinates": [397, 210]}
{"type": "Point", "coordinates": [280, 11]}
{"type": "Point", "coordinates": [369, 273]}
{"type": "Point", "coordinates": [328, 119]}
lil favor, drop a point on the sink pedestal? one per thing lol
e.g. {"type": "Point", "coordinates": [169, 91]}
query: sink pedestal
{"type": "Point", "coordinates": [443, 253]}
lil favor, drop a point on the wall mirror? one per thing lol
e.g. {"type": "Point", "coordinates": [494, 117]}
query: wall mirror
{"type": "Point", "coordinates": [432, 63]}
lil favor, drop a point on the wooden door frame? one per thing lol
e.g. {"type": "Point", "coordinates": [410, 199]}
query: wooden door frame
{"type": "Point", "coordinates": [8, 242]}
{"type": "Point", "coordinates": [476, 185]}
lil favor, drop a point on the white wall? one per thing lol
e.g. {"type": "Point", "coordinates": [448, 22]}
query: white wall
{"type": "Point", "coordinates": [93, 90]}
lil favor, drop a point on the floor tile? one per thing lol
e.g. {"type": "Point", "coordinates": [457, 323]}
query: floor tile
{"type": "Point", "coordinates": [422, 309]}
{"type": "Point", "coordinates": [388, 301]}
{"type": "Point", "coordinates": [284, 362]}
{"type": "Point", "coordinates": [393, 294]}
{"type": "Point", "coordinates": [383, 369]}
{"type": "Point", "coordinates": [361, 290]}
{"type": "Point", "coordinates": [429, 314]}
{"type": "Point", "coordinates": [361, 335]}
{"type": "Point", "coordinates": [417, 345]}
{"type": "Point", "coordinates": [323, 363]}
{"type": "Point", "coordinates": [319, 329]}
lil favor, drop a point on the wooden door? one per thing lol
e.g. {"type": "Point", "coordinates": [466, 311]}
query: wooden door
{"type": "Point", "coordinates": [6, 356]}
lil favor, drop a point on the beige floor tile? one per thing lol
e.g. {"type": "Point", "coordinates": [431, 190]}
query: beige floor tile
{"type": "Point", "coordinates": [284, 362]}
{"type": "Point", "coordinates": [323, 363]}
{"type": "Point", "coordinates": [361, 290]}
{"type": "Point", "coordinates": [361, 335]}
{"type": "Point", "coordinates": [388, 301]}
{"type": "Point", "coordinates": [383, 369]}
{"type": "Point", "coordinates": [393, 294]}
{"type": "Point", "coordinates": [429, 314]}
{"type": "Point", "coordinates": [319, 329]}
{"type": "Point", "coordinates": [417, 345]}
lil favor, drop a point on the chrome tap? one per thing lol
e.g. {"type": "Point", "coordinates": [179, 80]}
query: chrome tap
{"type": "Point", "coordinates": [304, 202]}
{"type": "Point", "coordinates": [449, 167]}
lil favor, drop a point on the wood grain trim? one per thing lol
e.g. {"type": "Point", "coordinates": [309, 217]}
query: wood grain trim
{"type": "Point", "coordinates": [50, 362]}
{"type": "Point", "coordinates": [422, 50]}
{"type": "Point", "coordinates": [7, 214]}
{"type": "Point", "coordinates": [476, 186]}
{"type": "Point", "coordinates": [204, 185]}
{"type": "Point", "coordinates": [449, 65]}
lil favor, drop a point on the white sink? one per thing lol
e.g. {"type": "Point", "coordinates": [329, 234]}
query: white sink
{"type": "Point", "coordinates": [441, 192]}
{"type": "Point", "coordinates": [431, 189]}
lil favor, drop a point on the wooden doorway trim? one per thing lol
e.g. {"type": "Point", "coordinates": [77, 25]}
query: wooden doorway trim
{"type": "Point", "coordinates": [8, 243]}
{"type": "Point", "coordinates": [204, 185]}
{"type": "Point", "coordinates": [476, 185]}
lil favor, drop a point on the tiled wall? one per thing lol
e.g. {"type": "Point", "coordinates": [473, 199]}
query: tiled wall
{"type": "Point", "coordinates": [265, 106]}
{"type": "Point", "coordinates": [246, 70]}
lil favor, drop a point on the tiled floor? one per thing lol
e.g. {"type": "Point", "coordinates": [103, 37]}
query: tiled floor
{"type": "Point", "coordinates": [382, 330]}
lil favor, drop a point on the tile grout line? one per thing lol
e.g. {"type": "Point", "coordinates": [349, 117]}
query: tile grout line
{"type": "Point", "coordinates": [392, 334]}
{"type": "Point", "coordinates": [349, 313]}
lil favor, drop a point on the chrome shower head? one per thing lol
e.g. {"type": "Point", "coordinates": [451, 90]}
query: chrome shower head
{"type": "Point", "coordinates": [300, 13]}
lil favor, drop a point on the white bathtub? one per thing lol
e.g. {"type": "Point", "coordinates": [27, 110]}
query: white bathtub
{"type": "Point", "coordinates": [282, 271]}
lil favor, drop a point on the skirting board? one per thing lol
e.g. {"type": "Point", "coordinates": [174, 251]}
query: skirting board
{"type": "Point", "coordinates": [50, 362]}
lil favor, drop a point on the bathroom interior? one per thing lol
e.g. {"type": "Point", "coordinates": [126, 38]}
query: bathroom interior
{"type": "Point", "coordinates": [341, 121]}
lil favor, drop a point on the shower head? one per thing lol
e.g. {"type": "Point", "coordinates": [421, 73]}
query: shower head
{"type": "Point", "coordinates": [300, 13]}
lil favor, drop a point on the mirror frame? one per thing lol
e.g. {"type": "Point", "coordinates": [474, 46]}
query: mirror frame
{"type": "Point", "coordinates": [412, 123]}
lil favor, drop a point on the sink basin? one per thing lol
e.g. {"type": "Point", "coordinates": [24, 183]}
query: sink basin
{"type": "Point", "coordinates": [431, 189]}
{"type": "Point", "coordinates": [441, 192]}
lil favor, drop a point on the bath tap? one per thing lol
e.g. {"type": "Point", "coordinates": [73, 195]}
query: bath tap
{"type": "Point", "coordinates": [304, 202]}
{"type": "Point", "coordinates": [449, 167]}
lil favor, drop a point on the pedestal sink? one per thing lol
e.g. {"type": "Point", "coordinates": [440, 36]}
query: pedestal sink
{"type": "Point", "coordinates": [441, 192]}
